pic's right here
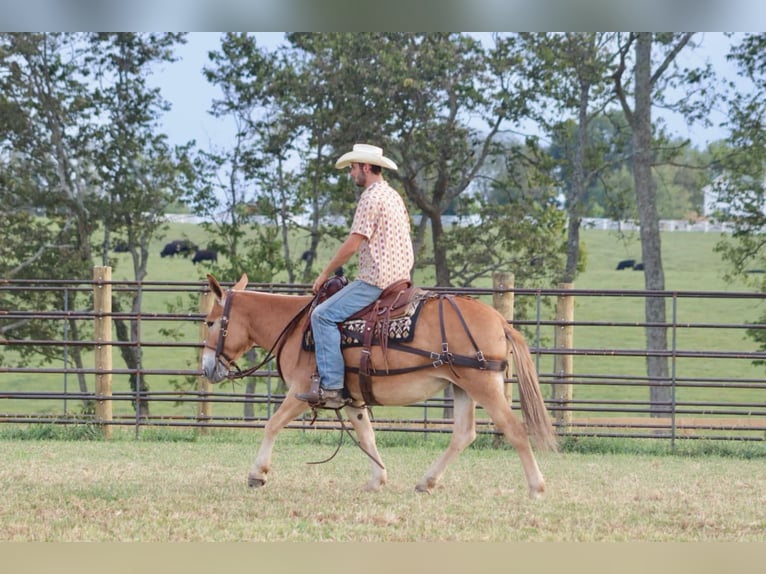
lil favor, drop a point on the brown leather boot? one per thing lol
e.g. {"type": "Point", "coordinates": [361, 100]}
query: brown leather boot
{"type": "Point", "coordinates": [324, 398]}
{"type": "Point", "coordinates": [318, 397]}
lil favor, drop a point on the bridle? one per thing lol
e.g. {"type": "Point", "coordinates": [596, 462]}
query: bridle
{"type": "Point", "coordinates": [228, 362]}
{"type": "Point", "coordinates": [220, 356]}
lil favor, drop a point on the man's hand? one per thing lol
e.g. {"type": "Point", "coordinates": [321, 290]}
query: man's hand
{"type": "Point", "coordinates": [321, 280]}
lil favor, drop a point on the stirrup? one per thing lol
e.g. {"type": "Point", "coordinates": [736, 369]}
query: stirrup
{"type": "Point", "coordinates": [314, 395]}
{"type": "Point", "coordinates": [317, 397]}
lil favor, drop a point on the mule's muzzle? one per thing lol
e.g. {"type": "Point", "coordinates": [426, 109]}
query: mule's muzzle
{"type": "Point", "coordinates": [213, 369]}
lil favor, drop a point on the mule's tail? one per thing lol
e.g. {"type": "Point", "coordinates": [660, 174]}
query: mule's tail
{"type": "Point", "coordinates": [536, 418]}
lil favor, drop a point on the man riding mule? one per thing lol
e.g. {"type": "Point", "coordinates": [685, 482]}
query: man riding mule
{"type": "Point", "coordinates": [458, 341]}
{"type": "Point", "coordinates": [380, 233]}
{"type": "Point", "coordinates": [450, 340]}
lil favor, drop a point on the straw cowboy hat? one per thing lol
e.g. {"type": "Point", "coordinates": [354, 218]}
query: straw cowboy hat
{"type": "Point", "coordinates": [363, 153]}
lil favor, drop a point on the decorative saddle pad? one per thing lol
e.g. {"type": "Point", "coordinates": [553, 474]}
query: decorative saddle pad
{"type": "Point", "coordinates": [400, 328]}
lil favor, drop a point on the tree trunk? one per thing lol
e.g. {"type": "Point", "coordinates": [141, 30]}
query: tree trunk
{"type": "Point", "coordinates": [88, 406]}
{"type": "Point", "coordinates": [130, 356]}
{"type": "Point", "coordinates": [651, 251]}
{"type": "Point", "coordinates": [573, 249]}
{"type": "Point", "coordinates": [440, 253]}
{"type": "Point", "coordinates": [577, 191]}
{"type": "Point", "coordinates": [419, 240]}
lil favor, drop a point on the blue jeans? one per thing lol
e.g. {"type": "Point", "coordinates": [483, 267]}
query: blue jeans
{"type": "Point", "coordinates": [324, 324]}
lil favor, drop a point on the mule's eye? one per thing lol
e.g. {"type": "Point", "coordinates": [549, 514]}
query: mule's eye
{"type": "Point", "coordinates": [209, 323]}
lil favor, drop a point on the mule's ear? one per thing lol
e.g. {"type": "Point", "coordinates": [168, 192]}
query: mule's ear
{"type": "Point", "coordinates": [215, 287]}
{"type": "Point", "coordinates": [241, 284]}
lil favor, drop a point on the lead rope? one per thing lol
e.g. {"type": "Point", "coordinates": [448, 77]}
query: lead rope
{"type": "Point", "coordinates": [343, 429]}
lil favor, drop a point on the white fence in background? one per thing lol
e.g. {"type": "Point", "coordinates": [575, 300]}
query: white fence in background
{"type": "Point", "coordinates": [587, 223]}
{"type": "Point", "coordinates": [665, 225]}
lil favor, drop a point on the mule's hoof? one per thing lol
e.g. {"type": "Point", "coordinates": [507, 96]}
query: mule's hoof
{"type": "Point", "coordinates": [372, 487]}
{"type": "Point", "coordinates": [427, 485]}
{"type": "Point", "coordinates": [254, 482]}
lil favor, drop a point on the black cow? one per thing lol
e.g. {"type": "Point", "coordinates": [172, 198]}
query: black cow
{"type": "Point", "coordinates": [205, 255]}
{"type": "Point", "coordinates": [182, 246]}
{"type": "Point", "coordinates": [638, 267]}
{"type": "Point", "coordinates": [121, 247]}
{"type": "Point", "coordinates": [625, 264]}
{"type": "Point", "coordinates": [170, 249]}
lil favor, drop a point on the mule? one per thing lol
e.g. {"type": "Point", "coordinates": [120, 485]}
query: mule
{"type": "Point", "coordinates": [240, 319]}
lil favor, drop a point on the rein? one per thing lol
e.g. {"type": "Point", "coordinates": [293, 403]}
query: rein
{"type": "Point", "coordinates": [345, 430]}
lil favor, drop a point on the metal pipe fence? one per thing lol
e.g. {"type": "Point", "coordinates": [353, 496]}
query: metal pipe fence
{"type": "Point", "coordinates": [715, 393]}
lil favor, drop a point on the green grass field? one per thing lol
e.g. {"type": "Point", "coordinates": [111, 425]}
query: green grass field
{"type": "Point", "coordinates": [690, 265]}
{"type": "Point", "coordinates": [689, 262]}
{"type": "Point", "coordinates": [153, 491]}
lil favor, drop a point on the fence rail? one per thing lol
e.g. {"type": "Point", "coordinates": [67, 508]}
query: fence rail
{"type": "Point", "coordinates": [599, 388]}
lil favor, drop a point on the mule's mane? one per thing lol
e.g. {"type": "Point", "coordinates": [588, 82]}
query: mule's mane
{"type": "Point", "coordinates": [292, 322]}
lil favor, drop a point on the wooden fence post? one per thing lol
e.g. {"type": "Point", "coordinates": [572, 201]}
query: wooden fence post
{"type": "Point", "coordinates": [102, 308]}
{"type": "Point", "coordinates": [204, 407]}
{"type": "Point", "coordinates": [503, 301]}
{"type": "Point", "coordinates": [563, 364]}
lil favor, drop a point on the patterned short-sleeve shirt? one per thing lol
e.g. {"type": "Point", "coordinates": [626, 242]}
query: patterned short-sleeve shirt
{"type": "Point", "coordinates": [386, 256]}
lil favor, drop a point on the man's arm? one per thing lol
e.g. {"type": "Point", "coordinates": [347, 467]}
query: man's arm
{"type": "Point", "coordinates": [345, 252]}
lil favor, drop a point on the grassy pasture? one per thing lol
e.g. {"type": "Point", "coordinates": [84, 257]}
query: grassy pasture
{"type": "Point", "coordinates": [689, 264]}
{"type": "Point", "coordinates": [184, 491]}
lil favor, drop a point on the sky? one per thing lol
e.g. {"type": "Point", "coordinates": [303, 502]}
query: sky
{"type": "Point", "coordinates": [406, 15]}
{"type": "Point", "coordinates": [190, 95]}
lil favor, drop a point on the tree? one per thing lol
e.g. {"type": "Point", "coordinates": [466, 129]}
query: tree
{"type": "Point", "coordinates": [417, 96]}
{"type": "Point", "coordinates": [647, 82]}
{"type": "Point", "coordinates": [310, 110]}
{"type": "Point", "coordinates": [138, 172]}
{"type": "Point", "coordinates": [741, 178]}
{"type": "Point", "coordinates": [569, 71]}
{"type": "Point", "coordinates": [523, 234]}
{"type": "Point", "coordinates": [48, 191]}
{"type": "Point", "coordinates": [232, 184]}
{"type": "Point", "coordinates": [413, 94]}
{"type": "Point", "coordinates": [85, 153]}
{"type": "Point", "coordinates": [513, 207]}
{"type": "Point", "coordinates": [279, 166]}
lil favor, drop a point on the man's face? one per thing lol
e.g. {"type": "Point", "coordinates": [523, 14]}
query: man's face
{"type": "Point", "coordinates": [358, 174]}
